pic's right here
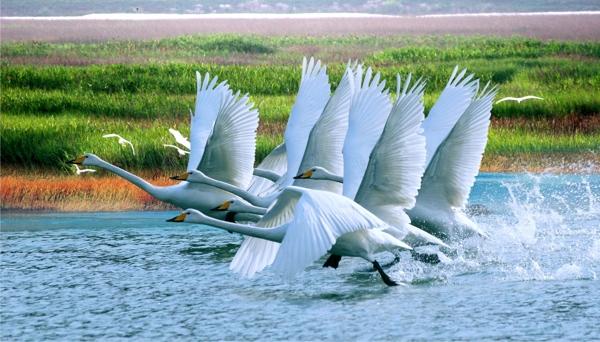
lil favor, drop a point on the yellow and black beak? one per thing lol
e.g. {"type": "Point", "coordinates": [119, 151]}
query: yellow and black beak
{"type": "Point", "coordinates": [222, 207]}
{"type": "Point", "coordinates": [182, 176]}
{"type": "Point", "coordinates": [79, 160]}
{"type": "Point", "coordinates": [178, 218]}
{"type": "Point", "coordinates": [304, 175]}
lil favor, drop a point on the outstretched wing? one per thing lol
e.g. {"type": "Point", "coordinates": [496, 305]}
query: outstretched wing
{"type": "Point", "coordinates": [276, 161]}
{"type": "Point", "coordinates": [229, 152]}
{"type": "Point", "coordinates": [326, 139]}
{"type": "Point", "coordinates": [255, 254]}
{"type": "Point", "coordinates": [320, 218]}
{"type": "Point", "coordinates": [179, 138]}
{"type": "Point", "coordinates": [312, 97]}
{"type": "Point", "coordinates": [446, 111]}
{"type": "Point", "coordinates": [368, 113]}
{"type": "Point", "coordinates": [451, 173]}
{"type": "Point", "coordinates": [396, 164]}
{"type": "Point", "coordinates": [208, 101]}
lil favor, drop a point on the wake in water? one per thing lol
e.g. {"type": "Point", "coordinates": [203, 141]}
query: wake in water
{"type": "Point", "coordinates": [543, 227]}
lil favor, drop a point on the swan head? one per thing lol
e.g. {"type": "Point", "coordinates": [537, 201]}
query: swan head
{"type": "Point", "coordinates": [193, 176]}
{"type": "Point", "coordinates": [239, 206]}
{"type": "Point", "coordinates": [189, 215]}
{"type": "Point", "coordinates": [315, 172]}
{"type": "Point", "coordinates": [86, 159]}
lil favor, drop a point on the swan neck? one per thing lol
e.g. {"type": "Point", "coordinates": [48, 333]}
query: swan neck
{"type": "Point", "coordinates": [275, 234]}
{"type": "Point", "coordinates": [253, 199]}
{"type": "Point", "coordinates": [135, 180]}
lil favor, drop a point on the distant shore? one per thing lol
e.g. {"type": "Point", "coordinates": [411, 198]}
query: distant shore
{"type": "Point", "coordinates": [583, 26]}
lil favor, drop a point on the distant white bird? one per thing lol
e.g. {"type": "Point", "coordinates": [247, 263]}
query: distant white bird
{"type": "Point", "coordinates": [519, 99]}
{"type": "Point", "coordinates": [122, 141]}
{"type": "Point", "coordinates": [179, 138]}
{"type": "Point", "coordinates": [80, 171]}
{"type": "Point", "coordinates": [181, 152]}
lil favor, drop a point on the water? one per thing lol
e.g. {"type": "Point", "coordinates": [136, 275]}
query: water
{"type": "Point", "coordinates": [134, 276]}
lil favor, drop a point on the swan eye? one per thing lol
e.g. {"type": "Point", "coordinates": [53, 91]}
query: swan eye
{"type": "Point", "coordinates": [231, 201]}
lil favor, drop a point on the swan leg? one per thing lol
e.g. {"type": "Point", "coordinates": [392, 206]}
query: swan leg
{"type": "Point", "coordinates": [386, 279]}
{"type": "Point", "coordinates": [333, 261]}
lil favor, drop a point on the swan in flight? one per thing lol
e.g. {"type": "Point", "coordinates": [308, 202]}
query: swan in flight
{"type": "Point", "coordinates": [179, 138]}
{"type": "Point", "coordinates": [308, 224]}
{"type": "Point", "coordinates": [122, 141]}
{"type": "Point", "coordinates": [384, 157]}
{"type": "Point", "coordinates": [222, 141]}
{"type": "Point", "coordinates": [519, 99]}
{"type": "Point", "coordinates": [451, 173]}
{"type": "Point", "coordinates": [80, 171]}
{"type": "Point", "coordinates": [180, 151]}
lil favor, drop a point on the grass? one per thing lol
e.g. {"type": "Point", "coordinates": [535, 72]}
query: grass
{"type": "Point", "coordinates": [59, 99]}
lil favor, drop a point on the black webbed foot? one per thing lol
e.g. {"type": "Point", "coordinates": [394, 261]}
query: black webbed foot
{"type": "Point", "coordinates": [333, 261]}
{"type": "Point", "coordinates": [386, 279]}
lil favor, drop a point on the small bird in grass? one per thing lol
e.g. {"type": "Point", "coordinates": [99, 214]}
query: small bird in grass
{"type": "Point", "coordinates": [181, 152]}
{"type": "Point", "coordinates": [519, 99]}
{"type": "Point", "coordinates": [179, 138]}
{"type": "Point", "coordinates": [121, 140]}
{"type": "Point", "coordinates": [80, 171]}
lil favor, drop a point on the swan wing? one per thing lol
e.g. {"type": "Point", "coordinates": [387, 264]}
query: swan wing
{"type": "Point", "coordinates": [276, 161]}
{"type": "Point", "coordinates": [368, 113]}
{"type": "Point", "coordinates": [324, 146]}
{"type": "Point", "coordinates": [396, 164]}
{"type": "Point", "coordinates": [208, 101]}
{"type": "Point", "coordinates": [229, 152]}
{"type": "Point", "coordinates": [446, 111]}
{"type": "Point", "coordinates": [179, 138]}
{"type": "Point", "coordinates": [254, 253]}
{"type": "Point", "coordinates": [312, 97]}
{"type": "Point", "coordinates": [320, 218]}
{"type": "Point", "coordinates": [451, 173]}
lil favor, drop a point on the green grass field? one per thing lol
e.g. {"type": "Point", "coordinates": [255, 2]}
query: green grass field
{"type": "Point", "coordinates": [59, 99]}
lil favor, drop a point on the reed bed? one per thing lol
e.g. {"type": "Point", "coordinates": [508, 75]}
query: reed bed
{"type": "Point", "coordinates": [84, 193]}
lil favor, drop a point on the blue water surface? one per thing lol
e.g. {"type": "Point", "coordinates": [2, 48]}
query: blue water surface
{"type": "Point", "coordinates": [116, 276]}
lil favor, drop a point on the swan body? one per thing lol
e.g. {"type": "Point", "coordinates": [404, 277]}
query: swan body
{"type": "Point", "coordinates": [394, 166]}
{"type": "Point", "coordinates": [519, 99]}
{"type": "Point", "coordinates": [451, 173]}
{"type": "Point", "coordinates": [224, 149]}
{"type": "Point", "coordinates": [122, 141]}
{"type": "Point", "coordinates": [309, 223]}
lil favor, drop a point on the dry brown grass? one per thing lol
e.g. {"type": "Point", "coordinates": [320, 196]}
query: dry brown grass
{"type": "Point", "coordinates": [569, 124]}
{"type": "Point", "coordinates": [558, 27]}
{"type": "Point", "coordinates": [76, 194]}
{"type": "Point", "coordinates": [583, 163]}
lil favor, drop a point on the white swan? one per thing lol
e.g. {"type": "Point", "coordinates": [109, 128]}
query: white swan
{"type": "Point", "coordinates": [309, 223]}
{"type": "Point", "coordinates": [80, 171]}
{"type": "Point", "coordinates": [121, 141]}
{"type": "Point", "coordinates": [451, 173]}
{"type": "Point", "coordinates": [226, 152]}
{"type": "Point", "coordinates": [392, 169]}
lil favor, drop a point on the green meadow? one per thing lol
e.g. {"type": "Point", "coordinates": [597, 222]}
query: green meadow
{"type": "Point", "coordinates": [58, 99]}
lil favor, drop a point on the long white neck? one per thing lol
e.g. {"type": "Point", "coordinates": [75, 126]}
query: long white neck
{"type": "Point", "coordinates": [253, 199]}
{"type": "Point", "coordinates": [270, 175]}
{"type": "Point", "coordinates": [156, 191]}
{"type": "Point", "coordinates": [275, 234]}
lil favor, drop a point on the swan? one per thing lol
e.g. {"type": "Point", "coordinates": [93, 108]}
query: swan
{"type": "Point", "coordinates": [224, 149]}
{"type": "Point", "coordinates": [309, 223]}
{"type": "Point", "coordinates": [386, 178]}
{"type": "Point", "coordinates": [451, 172]}
{"type": "Point", "coordinates": [122, 140]}
{"type": "Point", "coordinates": [519, 99]}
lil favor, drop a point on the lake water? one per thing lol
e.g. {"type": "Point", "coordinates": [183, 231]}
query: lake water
{"type": "Point", "coordinates": [116, 276]}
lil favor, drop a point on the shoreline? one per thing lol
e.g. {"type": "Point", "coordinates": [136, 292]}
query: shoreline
{"type": "Point", "coordinates": [581, 26]}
